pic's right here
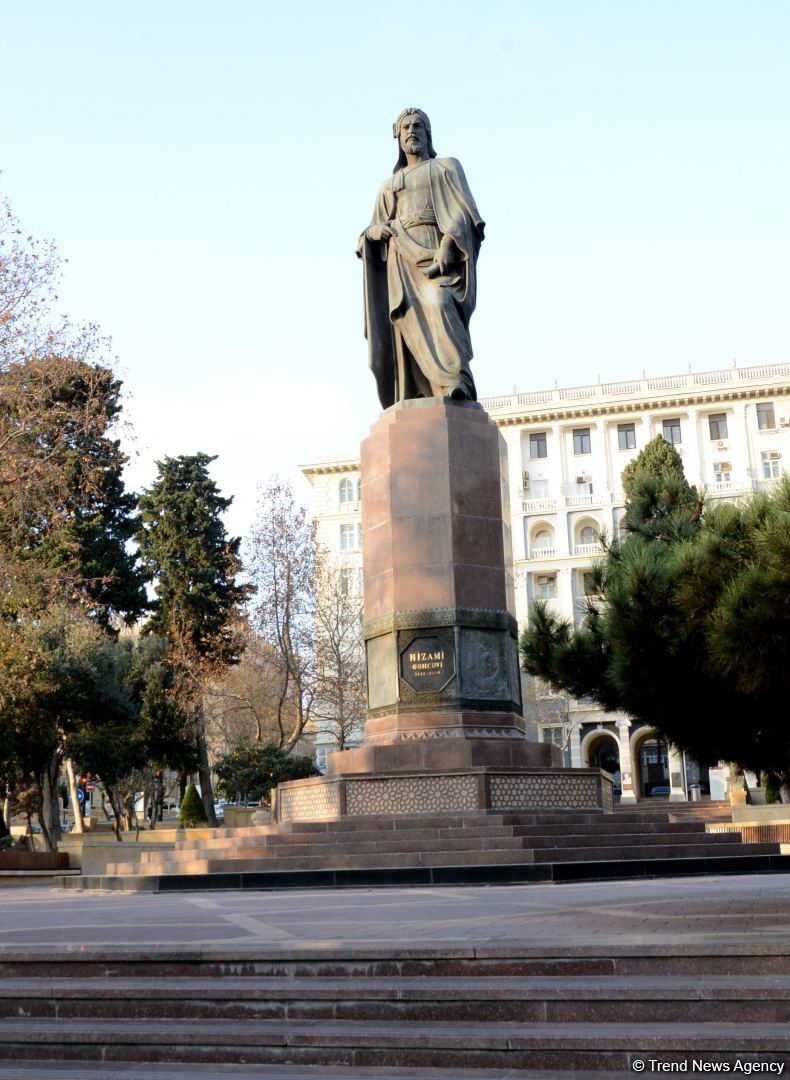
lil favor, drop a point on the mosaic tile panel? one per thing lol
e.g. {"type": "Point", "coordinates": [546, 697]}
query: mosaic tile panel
{"type": "Point", "coordinates": [312, 802]}
{"type": "Point", "coordinates": [411, 795]}
{"type": "Point", "coordinates": [555, 789]}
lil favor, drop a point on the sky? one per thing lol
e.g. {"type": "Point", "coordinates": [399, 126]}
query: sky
{"type": "Point", "coordinates": [206, 168]}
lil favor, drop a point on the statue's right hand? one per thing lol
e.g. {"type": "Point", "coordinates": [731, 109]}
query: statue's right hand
{"type": "Point", "coordinates": [379, 232]}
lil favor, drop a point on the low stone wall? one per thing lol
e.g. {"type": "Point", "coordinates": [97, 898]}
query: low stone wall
{"type": "Point", "coordinates": [34, 860]}
{"type": "Point", "coordinates": [761, 815]}
{"type": "Point", "coordinates": [239, 817]}
{"type": "Point", "coordinates": [327, 798]}
{"type": "Point", "coordinates": [776, 833]}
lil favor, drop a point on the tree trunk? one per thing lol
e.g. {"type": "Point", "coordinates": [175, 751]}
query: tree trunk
{"type": "Point", "coordinates": [784, 792]}
{"type": "Point", "coordinates": [204, 772]}
{"type": "Point", "coordinates": [116, 809]}
{"type": "Point", "coordinates": [6, 814]}
{"type": "Point", "coordinates": [49, 812]}
{"type": "Point", "coordinates": [76, 809]}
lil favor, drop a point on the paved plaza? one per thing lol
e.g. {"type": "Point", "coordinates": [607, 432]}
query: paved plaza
{"type": "Point", "coordinates": [724, 910]}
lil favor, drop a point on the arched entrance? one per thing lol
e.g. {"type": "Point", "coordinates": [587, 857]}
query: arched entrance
{"type": "Point", "coordinates": [651, 755]}
{"type": "Point", "coordinates": [601, 750]}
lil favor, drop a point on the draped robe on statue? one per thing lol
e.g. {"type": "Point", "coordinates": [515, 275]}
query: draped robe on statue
{"type": "Point", "coordinates": [418, 327]}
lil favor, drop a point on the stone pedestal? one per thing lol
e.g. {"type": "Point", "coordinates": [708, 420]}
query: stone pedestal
{"type": "Point", "coordinates": [444, 714]}
{"type": "Point", "coordinates": [444, 689]}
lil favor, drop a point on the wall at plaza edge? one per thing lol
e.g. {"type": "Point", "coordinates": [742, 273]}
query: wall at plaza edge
{"type": "Point", "coordinates": [567, 448]}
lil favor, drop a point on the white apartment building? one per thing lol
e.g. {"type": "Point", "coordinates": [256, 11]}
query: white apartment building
{"type": "Point", "coordinates": [567, 448]}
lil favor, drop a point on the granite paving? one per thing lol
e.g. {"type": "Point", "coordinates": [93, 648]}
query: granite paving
{"type": "Point", "coordinates": [706, 910]}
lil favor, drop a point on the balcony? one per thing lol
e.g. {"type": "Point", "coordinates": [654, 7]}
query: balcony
{"type": "Point", "coordinates": [589, 550]}
{"type": "Point", "coordinates": [542, 553]}
{"type": "Point", "coordinates": [532, 506]}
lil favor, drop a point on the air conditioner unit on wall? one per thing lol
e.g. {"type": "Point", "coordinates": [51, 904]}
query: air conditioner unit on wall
{"type": "Point", "coordinates": [525, 480]}
{"type": "Point", "coordinates": [581, 479]}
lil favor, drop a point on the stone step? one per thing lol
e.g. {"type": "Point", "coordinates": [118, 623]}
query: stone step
{"type": "Point", "coordinates": [375, 843]}
{"type": "Point", "coordinates": [122, 1070]}
{"type": "Point", "coordinates": [396, 822]}
{"type": "Point", "coordinates": [605, 827]}
{"type": "Point", "coordinates": [473, 852]}
{"type": "Point", "coordinates": [631, 839]}
{"type": "Point", "coordinates": [615, 852]}
{"type": "Point", "coordinates": [292, 962]}
{"type": "Point", "coordinates": [582, 1046]}
{"type": "Point", "coordinates": [258, 848]}
{"type": "Point", "coordinates": [274, 839]}
{"type": "Point", "coordinates": [419, 835]}
{"type": "Point", "coordinates": [557, 999]}
{"type": "Point", "coordinates": [325, 860]}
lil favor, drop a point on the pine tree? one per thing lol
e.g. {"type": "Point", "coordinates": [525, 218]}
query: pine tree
{"type": "Point", "coordinates": [659, 501]}
{"type": "Point", "coordinates": [690, 628]}
{"type": "Point", "coordinates": [184, 545]}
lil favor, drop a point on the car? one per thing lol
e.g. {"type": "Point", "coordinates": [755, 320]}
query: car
{"type": "Point", "coordinates": [660, 789]}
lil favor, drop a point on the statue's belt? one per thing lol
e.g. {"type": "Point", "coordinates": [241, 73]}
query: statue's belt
{"type": "Point", "coordinates": [423, 217]}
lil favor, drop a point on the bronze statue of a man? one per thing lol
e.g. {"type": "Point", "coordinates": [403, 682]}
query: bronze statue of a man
{"type": "Point", "coordinates": [420, 266]}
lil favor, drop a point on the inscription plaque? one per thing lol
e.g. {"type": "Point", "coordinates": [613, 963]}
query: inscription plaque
{"type": "Point", "coordinates": [427, 664]}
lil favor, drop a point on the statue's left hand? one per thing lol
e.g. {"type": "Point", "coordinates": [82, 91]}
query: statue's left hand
{"type": "Point", "coordinates": [443, 259]}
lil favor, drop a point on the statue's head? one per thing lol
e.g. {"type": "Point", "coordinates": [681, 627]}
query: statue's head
{"type": "Point", "coordinates": [412, 129]}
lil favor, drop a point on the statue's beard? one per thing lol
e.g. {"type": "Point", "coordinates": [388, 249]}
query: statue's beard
{"type": "Point", "coordinates": [413, 146]}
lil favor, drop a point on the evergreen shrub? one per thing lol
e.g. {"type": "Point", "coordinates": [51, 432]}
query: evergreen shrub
{"type": "Point", "coordinates": [193, 813]}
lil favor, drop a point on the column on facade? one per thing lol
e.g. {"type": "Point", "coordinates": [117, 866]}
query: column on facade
{"type": "Point", "coordinates": [515, 457]}
{"type": "Point", "coordinates": [628, 794]}
{"type": "Point", "coordinates": [559, 441]}
{"type": "Point", "coordinates": [677, 781]}
{"type": "Point", "coordinates": [692, 458]}
{"type": "Point", "coordinates": [607, 485]}
{"type": "Point", "coordinates": [576, 745]}
{"type": "Point", "coordinates": [740, 452]}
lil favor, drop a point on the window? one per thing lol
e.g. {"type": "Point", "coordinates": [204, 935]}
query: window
{"type": "Point", "coordinates": [537, 444]}
{"type": "Point", "coordinates": [626, 436]}
{"type": "Point", "coordinates": [771, 459]}
{"type": "Point", "coordinates": [554, 734]}
{"type": "Point", "coordinates": [542, 539]}
{"type": "Point", "coordinates": [722, 472]}
{"type": "Point", "coordinates": [587, 535]}
{"type": "Point", "coordinates": [359, 490]}
{"type": "Point", "coordinates": [581, 440]}
{"type": "Point", "coordinates": [717, 422]}
{"type": "Point", "coordinates": [672, 431]}
{"type": "Point", "coordinates": [346, 491]}
{"type": "Point", "coordinates": [359, 536]}
{"type": "Point", "coordinates": [766, 417]}
{"type": "Point", "coordinates": [346, 537]}
{"type": "Point", "coordinates": [587, 583]}
{"type": "Point", "coordinates": [546, 586]}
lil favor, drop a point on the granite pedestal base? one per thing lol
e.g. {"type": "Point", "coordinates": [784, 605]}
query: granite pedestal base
{"type": "Point", "coordinates": [484, 788]}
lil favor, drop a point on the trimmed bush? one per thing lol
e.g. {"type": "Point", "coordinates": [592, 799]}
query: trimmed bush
{"type": "Point", "coordinates": [193, 813]}
{"type": "Point", "coordinates": [252, 770]}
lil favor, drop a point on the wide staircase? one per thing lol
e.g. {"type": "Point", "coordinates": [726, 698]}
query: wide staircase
{"type": "Point", "coordinates": [455, 1013]}
{"type": "Point", "coordinates": [466, 847]}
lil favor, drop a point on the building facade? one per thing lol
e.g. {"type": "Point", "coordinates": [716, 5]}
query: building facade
{"type": "Point", "coordinates": [567, 448]}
